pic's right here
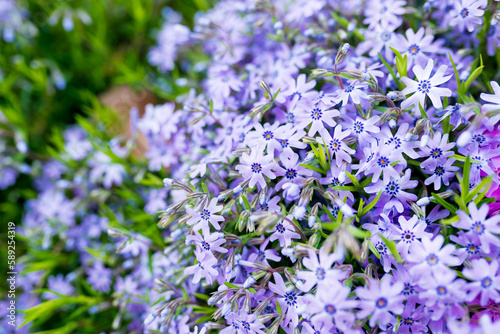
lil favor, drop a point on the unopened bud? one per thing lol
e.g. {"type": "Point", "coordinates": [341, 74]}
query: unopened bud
{"type": "Point", "coordinates": [249, 282]}
{"type": "Point", "coordinates": [423, 201]}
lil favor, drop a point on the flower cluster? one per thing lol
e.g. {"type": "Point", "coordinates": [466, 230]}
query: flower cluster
{"type": "Point", "coordinates": [332, 187]}
{"type": "Point", "coordinates": [334, 171]}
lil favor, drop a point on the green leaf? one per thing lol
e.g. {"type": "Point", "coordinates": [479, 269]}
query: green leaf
{"type": "Point", "coordinates": [201, 296]}
{"type": "Point", "coordinates": [391, 71]}
{"type": "Point", "coordinates": [278, 308]}
{"type": "Point", "coordinates": [252, 290]}
{"type": "Point", "coordinates": [465, 179]}
{"type": "Point", "coordinates": [370, 206]}
{"type": "Point", "coordinates": [437, 199]}
{"type": "Point", "coordinates": [353, 179]}
{"type": "Point", "coordinates": [358, 233]}
{"type": "Point", "coordinates": [457, 77]}
{"type": "Point", "coordinates": [95, 253]}
{"type": "Point", "coordinates": [485, 183]}
{"type": "Point", "coordinates": [316, 169]}
{"type": "Point", "coordinates": [392, 247]}
{"type": "Point", "coordinates": [246, 203]}
{"type": "Point", "coordinates": [231, 285]}
{"type": "Point", "coordinates": [473, 76]}
{"type": "Point", "coordinates": [422, 111]}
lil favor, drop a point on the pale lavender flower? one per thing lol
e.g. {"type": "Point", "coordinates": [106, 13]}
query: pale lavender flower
{"type": "Point", "coordinates": [255, 166]}
{"type": "Point", "coordinates": [408, 233]}
{"type": "Point", "coordinates": [436, 149]}
{"type": "Point", "coordinates": [494, 99]}
{"type": "Point", "coordinates": [207, 242]}
{"type": "Point", "coordinates": [337, 147]}
{"type": "Point", "coordinates": [321, 271]}
{"type": "Point", "coordinates": [426, 86]}
{"type": "Point", "coordinates": [204, 268]}
{"type": "Point", "coordinates": [292, 172]}
{"type": "Point", "coordinates": [99, 277]}
{"type": "Point", "coordinates": [478, 224]}
{"type": "Point", "coordinates": [429, 257]}
{"type": "Point", "coordinates": [442, 173]}
{"type": "Point", "coordinates": [381, 300]}
{"type": "Point", "coordinates": [354, 92]}
{"type": "Point", "coordinates": [466, 14]}
{"type": "Point", "coordinates": [284, 232]}
{"type": "Point", "coordinates": [363, 129]}
{"type": "Point", "coordinates": [288, 300]}
{"type": "Point", "coordinates": [417, 46]}
{"type": "Point", "coordinates": [317, 116]}
{"type": "Point", "coordinates": [485, 281]}
{"type": "Point", "coordinates": [200, 219]}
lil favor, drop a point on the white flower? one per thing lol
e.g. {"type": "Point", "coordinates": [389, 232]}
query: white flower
{"type": "Point", "coordinates": [426, 86]}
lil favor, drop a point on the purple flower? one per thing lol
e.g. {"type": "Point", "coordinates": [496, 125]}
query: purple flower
{"type": "Point", "coordinates": [288, 300]}
{"type": "Point", "coordinates": [264, 137]}
{"type": "Point", "coordinates": [321, 272]}
{"type": "Point", "coordinates": [99, 277]}
{"type": "Point", "coordinates": [429, 257]}
{"type": "Point", "coordinates": [416, 46]}
{"type": "Point", "coordinates": [291, 172]}
{"type": "Point", "coordinates": [383, 162]}
{"type": "Point", "coordinates": [426, 86]}
{"type": "Point", "coordinates": [283, 231]}
{"type": "Point", "coordinates": [494, 99]}
{"type": "Point", "coordinates": [317, 115]}
{"type": "Point", "coordinates": [381, 300]}
{"type": "Point", "coordinates": [486, 230]}
{"type": "Point", "coordinates": [337, 147]}
{"type": "Point", "coordinates": [363, 128]}
{"type": "Point", "coordinates": [263, 255]}
{"type": "Point", "coordinates": [408, 233]}
{"type": "Point", "coordinates": [466, 14]}
{"type": "Point", "coordinates": [204, 268]}
{"type": "Point", "coordinates": [243, 323]}
{"type": "Point", "coordinates": [200, 219]}
{"type": "Point", "coordinates": [288, 136]}
{"type": "Point", "coordinates": [207, 242]}
{"type": "Point", "coordinates": [486, 281]}
{"type": "Point", "coordinates": [301, 93]}
{"type": "Point", "coordinates": [442, 173]}
{"type": "Point", "coordinates": [61, 285]}
{"type": "Point", "coordinates": [331, 304]}
{"type": "Point", "coordinates": [255, 166]}
{"type": "Point", "coordinates": [354, 92]}
{"type": "Point", "coordinates": [436, 150]}
{"type": "Point", "coordinates": [393, 195]}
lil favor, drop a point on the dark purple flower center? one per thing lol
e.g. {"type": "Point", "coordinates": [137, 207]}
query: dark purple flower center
{"type": "Point", "coordinates": [383, 162]}
{"type": "Point", "coordinates": [486, 282]}
{"type": "Point", "coordinates": [205, 214]}
{"type": "Point", "coordinates": [407, 321]}
{"type": "Point", "coordinates": [291, 173]}
{"type": "Point", "coordinates": [413, 49]}
{"type": "Point", "coordinates": [264, 206]}
{"type": "Point", "coordinates": [290, 118]}
{"type": "Point", "coordinates": [441, 290]}
{"type": "Point", "coordinates": [392, 188]}
{"type": "Point", "coordinates": [381, 248]}
{"type": "Point", "coordinates": [464, 12]}
{"type": "Point", "coordinates": [408, 236]}
{"type": "Point", "coordinates": [320, 274]}
{"type": "Point", "coordinates": [408, 289]}
{"type": "Point", "coordinates": [349, 89]}
{"type": "Point", "coordinates": [385, 36]}
{"type": "Point", "coordinates": [432, 259]}
{"type": "Point", "coordinates": [472, 249]}
{"type": "Point", "coordinates": [330, 309]}
{"type": "Point", "coordinates": [245, 325]}
{"type": "Point", "coordinates": [280, 228]}
{"type": "Point", "coordinates": [256, 167]}
{"type": "Point", "coordinates": [290, 298]}
{"type": "Point", "coordinates": [335, 145]}
{"type": "Point", "coordinates": [396, 141]}
{"type": "Point", "coordinates": [284, 143]}
{"type": "Point", "coordinates": [381, 302]}
{"type": "Point", "coordinates": [296, 94]}
{"type": "Point", "coordinates": [436, 153]}
{"type": "Point", "coordinates": [424, 86]}
{"type": "Point", "coordinates": [235, 325]}
{"type": "Point", "coordinates": [336, 182]}
{"type": "Point", "coordinates": [439, 171]}
{"type": "Point", "coordinates": [205, 245]}
{"type": "Point", "coordinates": [316, 114]}
{"type": "Point", "coordinates": [478, 227]}
{"type": "Point", "coordinates": [358, 127]}
{"type": "Point", "coordinates": [261, 256]}
{"type": "Point", "coordinates": [478, 138]}
{"type": "Point", "coordinates": [268, 135]}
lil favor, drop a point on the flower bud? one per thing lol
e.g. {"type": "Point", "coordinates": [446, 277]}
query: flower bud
{"type": "Point", "coordinates": [423, 201]}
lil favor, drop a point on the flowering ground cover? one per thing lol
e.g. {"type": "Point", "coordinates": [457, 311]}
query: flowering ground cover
{"type": "Point", "coordinates": [314, 166]}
